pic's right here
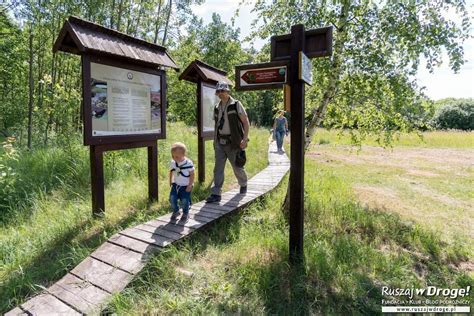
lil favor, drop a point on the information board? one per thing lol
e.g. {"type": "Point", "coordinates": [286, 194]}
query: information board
{"type": "Point", "coordinates": [209, 101]}
{"type": "Point", "coordinates": [124, 102]}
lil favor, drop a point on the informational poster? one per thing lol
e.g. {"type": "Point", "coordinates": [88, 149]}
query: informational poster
{"type": "Point", "coordinates": [209, 101]}
{"type": "Point", "coordinates": [124, 102]}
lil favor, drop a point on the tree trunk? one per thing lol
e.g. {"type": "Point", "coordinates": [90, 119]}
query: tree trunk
{"type": "Point", "coordinates": [137, 25]}
{"type": "Point", "coordinates": [129, 17]}
{"type": "Point", "coordinates": [112, 15]}
{"type": "Point", "coordinates": [157, 22]}
{"type": "Point", "coordinates": [119, 16]}
{"type": "Point", "coordinates": [30, 101]}
{"type": "Point", "coordinates": [39, 62]}
{"type": "Point", "coordinates": [167, 22]}
{"type": "Point", "coordinates": [317, 113]}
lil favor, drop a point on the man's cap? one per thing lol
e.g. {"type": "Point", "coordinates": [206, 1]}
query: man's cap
{"type": "Point", "coordinates": [222, 86]}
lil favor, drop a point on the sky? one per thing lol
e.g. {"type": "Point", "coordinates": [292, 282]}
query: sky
{"type": "Point", "coordinates": [443, 83]}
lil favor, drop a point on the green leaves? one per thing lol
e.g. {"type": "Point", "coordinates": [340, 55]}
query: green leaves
{"type": "Point", "coordinates": [369, 84]}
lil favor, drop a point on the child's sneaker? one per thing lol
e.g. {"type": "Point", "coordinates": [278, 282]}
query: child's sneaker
{"type": "Point", "coordinates": [184, 218]}
{"type": "Point", "coordinates": [174, 216]}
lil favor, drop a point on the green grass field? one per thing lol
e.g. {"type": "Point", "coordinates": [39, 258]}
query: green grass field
{"type": "Point", "coordinates": [238, 266]}
{"type": "Point", "coordinates": [433, 139]}
{"type": "Point", "coordinates": [429, 181]}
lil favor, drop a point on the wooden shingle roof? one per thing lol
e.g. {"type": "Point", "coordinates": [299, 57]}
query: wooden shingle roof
{"type": "Point", "coordinates": [200, 70]}
{"type": "Point", "coordinates": [79, 36]}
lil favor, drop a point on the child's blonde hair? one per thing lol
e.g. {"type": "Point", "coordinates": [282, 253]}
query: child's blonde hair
{"type": "Point", "coordinates": [179, 146]}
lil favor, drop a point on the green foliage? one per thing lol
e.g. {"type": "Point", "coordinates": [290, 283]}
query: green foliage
{"type": "Point", "coordinates": [369, 83]}
{"type": "Point", "coordinates": [216, 44]}
{"type": "Point", "coordinates": [455, 114]}
{"type": "Point", "coordinates": [13, 91]}
{"type": "Point", "coordinates": [56, 77]}
{"type": "Point", "coordinates": [374, 104]}
{"type": "Point", "coordinates": [377, 47]}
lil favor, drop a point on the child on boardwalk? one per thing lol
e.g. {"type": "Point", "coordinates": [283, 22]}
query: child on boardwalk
{"type": "Point", "coordinates": [181, 178]}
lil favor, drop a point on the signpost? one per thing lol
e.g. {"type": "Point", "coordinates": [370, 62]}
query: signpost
{"type": "Point", "coordinates": [123, 96]}
{"type": "Point", "coordinates": [206, 78]}
{"type": "Point", "coordinates": [261, 76]}
{"type": "Point", "coordinates": [294, 51]}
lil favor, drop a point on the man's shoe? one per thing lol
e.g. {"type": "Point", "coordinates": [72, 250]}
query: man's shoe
{"type": "Point", "coordinates": [213, 198]}
{"type": "Point", "coordinates": [174, 216]}
{"type": "Point", "coordinates": [243, 190]}
{"type": "Point", "coordinates": [184, 218]}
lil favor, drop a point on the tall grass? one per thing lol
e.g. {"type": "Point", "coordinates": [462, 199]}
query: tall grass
{"type": "Point", "coordinates": [47, 226]}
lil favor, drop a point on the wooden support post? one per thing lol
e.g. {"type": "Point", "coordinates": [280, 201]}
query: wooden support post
{"type": "Point", "coordinates": [201, 160]}
{"type": "Point", "coordinates": [97, 180]}
{"type": "Point", "coordinates": [201, 142]}
{"type": "Point", "coordinates": [297, 147]}
{"type": "Point", "coordinates": [153, 172]}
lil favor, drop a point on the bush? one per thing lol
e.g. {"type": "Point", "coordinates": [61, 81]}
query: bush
{"type": "Point", "coordinates": [457, 114]}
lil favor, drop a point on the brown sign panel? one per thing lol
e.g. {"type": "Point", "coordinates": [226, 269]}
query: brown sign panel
{"type": "Point", "coordinates": [271, 75]}
{"type": "Point", "coordinates": [318, 43]}
{"type": "Point", "coordinates": [261, 76]}
{"type": "Point", "coordinates": [280, 47]}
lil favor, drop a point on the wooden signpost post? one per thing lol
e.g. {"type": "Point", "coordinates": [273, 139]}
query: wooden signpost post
{"type": "Point", "coordinates": [294, 52]}
{"type": "Point", "coordinates": [206, 77]}
{"type": "Point", "coordinates": [124, 96]}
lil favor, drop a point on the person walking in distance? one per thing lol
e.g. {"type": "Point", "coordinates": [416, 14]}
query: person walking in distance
{"type": "Point", "coordinates": [280, 129]}
{"type": "Point", "coordinates": [230, 140]}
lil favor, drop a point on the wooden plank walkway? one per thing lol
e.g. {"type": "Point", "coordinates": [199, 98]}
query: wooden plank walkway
{"type": "Point", "coordinates": [87, 288]}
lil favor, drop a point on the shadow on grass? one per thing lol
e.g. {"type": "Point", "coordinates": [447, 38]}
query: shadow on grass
{"type": "Point", "coordinates": [347, 265]}
{"type": "Point", "coordinates": [295, 290]}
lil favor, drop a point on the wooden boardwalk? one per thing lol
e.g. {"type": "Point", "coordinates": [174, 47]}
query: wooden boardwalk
{"type": "Point", "coordinates": [87, 288]}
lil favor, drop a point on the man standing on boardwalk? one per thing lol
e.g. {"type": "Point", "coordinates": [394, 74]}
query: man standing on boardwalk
{"type": "Point", "coordinates": [231, 138]}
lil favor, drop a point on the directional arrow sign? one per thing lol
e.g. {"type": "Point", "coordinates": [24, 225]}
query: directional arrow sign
{"type": "Point", "coordinates": [261, 76]}
{"type": "Point", "coordinates": [270, 75]}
